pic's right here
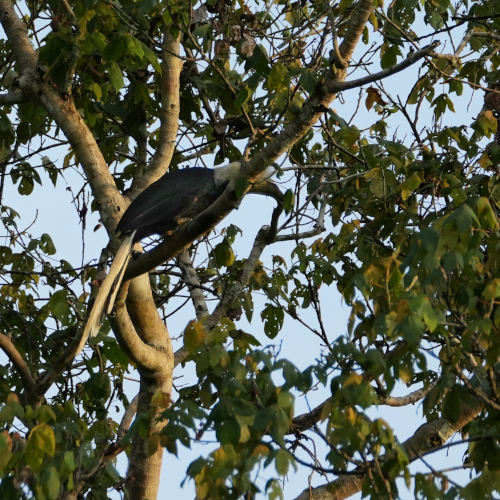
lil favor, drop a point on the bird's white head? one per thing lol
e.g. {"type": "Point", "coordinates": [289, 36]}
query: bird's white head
{"type": "Point", "coordinates": [232, 171]}
{"type": "Point", "coordinates": [227, 172]}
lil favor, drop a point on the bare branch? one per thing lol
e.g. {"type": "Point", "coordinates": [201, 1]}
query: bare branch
{"type": "Point", "coordinates": [409, 399]}
{"type": "Point", "coordinates": [299, 236]}
{"type": "Point", "coordinates": [130, 411]}
{"type": "Point", "coordinates": [307, 420]}
{"type": "Point", "coordinates": [318, 102]}
{"type": "Point", "coordinates": [191, 278]}
{"type": "Point", "coordinates": [303, 422]}
{"type": "Point", "coordinates": [261, 241]}
{"type": "Point", "coordinates": [408, 61]}
{"type": "Point", "coordinates": [481, 34]}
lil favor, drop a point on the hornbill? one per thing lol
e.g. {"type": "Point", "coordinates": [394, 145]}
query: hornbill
{"type": "Point", "coordinates": [173, 199]}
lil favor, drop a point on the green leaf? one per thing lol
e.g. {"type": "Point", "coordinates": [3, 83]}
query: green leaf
{"type": "Point", "coordinates": [96, 89]}
{"type": "Point", "coordinates": [116, 49]}
{"type": "Point", "coordinates": [51, 482]}
{"type": "Point", "coordinates": [410, 185]}
{"type": "Point", "coordinates": [51, 169]}
{"type": "Point", "coordinates": [112, 473]}
{"type": "Point", "coordinates": [259, 61]}
{"type": "Point", "coordinates": [389, 55]}
{"type": "Point", "coordinates": [59, 306]}
{"type": "Point", "coordinates": [224, 255]}
{"type": "Point", "coordinates": [285, 401]}
{"type": "Point", "coordinates": [47, 245]}
{"type": "Point", "coordinates": [228, 431]}
{"type": "Point", "coordinates": [150, 56]}
{"type": "Point", "coordinates": [288, 201]}
{"type": "Point", "coordinates": [486, 123]}
{"type": "Point", "coordinates": [98, 387]}
{"type": "Point", "coordinates": [11, 410]}
{"type": "Point", "coordinates": [274, 490]}
{"type": "Point", "coordinates": [242, 97]}
{"type": "Point", "coordinates": [68, 463]}
{"type": "Point", "coordinates": [273, 318]}
{"type": "Point", "coordinates": [278, 79]}
{"type": "Point", "coordinates": [45, 414]}
{"type": "Point", "coordinates": [240, 186]}
{"type": "Point", "coordinates": [115, 76]}
{"type": "Point", "coordinates": [282, 462]}
{"type": "Point", "coordinates": [26, 186]}
{"type": "Point", "coordinates": [307, 80]}
{"type": "Point", "coordinates": [486, 214]}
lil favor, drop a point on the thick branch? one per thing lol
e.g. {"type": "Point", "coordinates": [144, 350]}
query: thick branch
{"type": "Point", "coordinates": [24, 53]}
{"type": "Point", "coordinates": [13, 97]}
{"type": "Point", "coordinates": [17, 360]}
{"type": "Point", "coordinates": [305, 421]}
{"type": "Point", "coordinates": [126, 421]}
{"type": "Point", "coordinates": [409, 399]}
{"type": "Point", "coordinates": [169, 116]}
{"type": "Point", "coordinates": [150, 357]}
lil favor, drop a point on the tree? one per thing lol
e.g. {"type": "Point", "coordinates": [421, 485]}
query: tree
{"type": "Point", "coordinates": [392, 198]}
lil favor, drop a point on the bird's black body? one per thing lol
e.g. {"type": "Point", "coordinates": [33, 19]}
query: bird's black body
{"type": "Point", "coordinates": [174, 198]}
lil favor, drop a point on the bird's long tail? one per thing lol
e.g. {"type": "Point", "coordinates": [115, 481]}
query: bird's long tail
{"type": "Point", "coordinates": [109, 288]}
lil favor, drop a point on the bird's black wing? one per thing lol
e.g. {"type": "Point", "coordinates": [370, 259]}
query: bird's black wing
{"type": "Point", "coordinates": [171, 200]}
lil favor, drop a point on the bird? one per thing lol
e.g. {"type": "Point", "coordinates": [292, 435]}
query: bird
{"type": "Point", "coordinates": [172, 200]}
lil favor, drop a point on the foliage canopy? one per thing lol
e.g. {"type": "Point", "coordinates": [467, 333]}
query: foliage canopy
{"type": "Point", "coordinates": [391, 197]}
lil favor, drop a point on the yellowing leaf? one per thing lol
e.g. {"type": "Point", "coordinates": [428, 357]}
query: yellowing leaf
{"type": "Point", "coordinates": [487, 121]}
{"type": "Point", "coordinates": [244, 433]}
{"type": "Point", "coordinates": [278, 78]}
{"type": "Point", "coordinates": [219, 454]}
{"type": "Point", "coordinates": [350, 415]}
{"type": "Point", "coordinates": [194, 335]}
{"type": "Point", "coordinates": [404, 374]}
{"type": "Point", "coordinates": [353, 378]}
{"type": "Point", "coordinates": [484, 160]}
{"type": "Point", "coordinates": [260, 449]}
{"type": "Point", "coordinates": [373, 96]}
{"type": "Point", "coordinates": [41, 442]}
{"type": "Point", "coordinates": [12, 398]}
{"type": "Point", "coordinates": [492, 290]}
